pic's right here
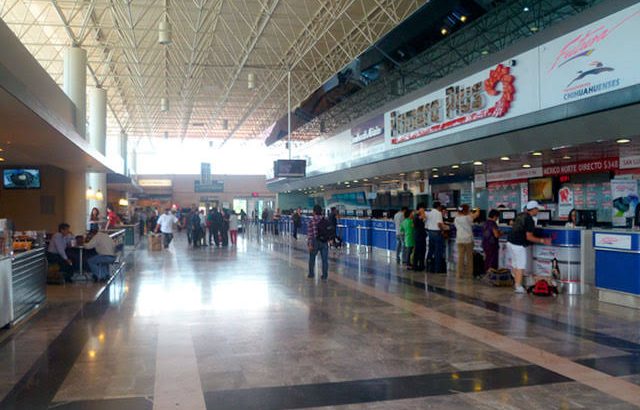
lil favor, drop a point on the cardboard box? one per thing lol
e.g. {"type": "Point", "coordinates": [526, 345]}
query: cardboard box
{"type": "Point", "coordinates": [155, 242]}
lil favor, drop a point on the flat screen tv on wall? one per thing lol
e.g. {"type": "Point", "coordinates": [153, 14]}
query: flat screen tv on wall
{"type": "Point", "coordinates": [543, 189]}
{"type": "Point", "coordinates": [21, 178]}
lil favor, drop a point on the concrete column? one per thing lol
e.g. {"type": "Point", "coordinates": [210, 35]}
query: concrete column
{"type": "Point", "coordinates": [75, 84]}
{"type": "Point", "coordinates": [75, 209]}
{"type": "Point", "coordinates": [98, 119]}
{"type": "Point", "coordinates": [124, 139]}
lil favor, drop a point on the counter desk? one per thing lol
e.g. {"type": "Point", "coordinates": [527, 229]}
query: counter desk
{"type": "Point", "coordinates": [571, 247]}
{"type": "Point", "coordinates": [23, 284]}
{"type": "Point", "coordinates": [617, 266]}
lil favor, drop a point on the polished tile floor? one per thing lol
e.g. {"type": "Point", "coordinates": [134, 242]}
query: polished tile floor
{"type": "Point", "coordinates": [244, 328]}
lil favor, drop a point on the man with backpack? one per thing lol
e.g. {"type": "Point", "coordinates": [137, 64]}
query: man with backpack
{"type": "Point", "coordinates": [318, 236]}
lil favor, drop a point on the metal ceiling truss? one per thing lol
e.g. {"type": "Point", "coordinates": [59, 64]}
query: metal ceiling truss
{"type": "Point", "coordinates": [215, 45]}
{"type": "Point", "coordinates": [499, 28]}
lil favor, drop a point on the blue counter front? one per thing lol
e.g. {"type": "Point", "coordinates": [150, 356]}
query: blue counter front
{"type": "Point", "coordinates": [618, 266]}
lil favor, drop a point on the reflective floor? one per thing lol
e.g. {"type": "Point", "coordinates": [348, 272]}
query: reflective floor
{"type": "Point", "coordinates": [244, 328]}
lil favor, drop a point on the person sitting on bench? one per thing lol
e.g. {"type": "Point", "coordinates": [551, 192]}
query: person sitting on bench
{"type": "Point", "coordinates": [105, 248]}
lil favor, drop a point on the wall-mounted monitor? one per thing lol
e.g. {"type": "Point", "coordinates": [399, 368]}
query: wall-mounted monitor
{"type": "Point", "coordinates": [507, 215]}
{"type": "Point", "coordinates": [21, 178]}
{"type": "Point", "coordinates": [544, 216]}
{"type": "Point", "coordinates": [543, 189]}
{"type": "Point", "coordinates": [290, 168]}
{"type": "Point", "coordinates": [586, 217]}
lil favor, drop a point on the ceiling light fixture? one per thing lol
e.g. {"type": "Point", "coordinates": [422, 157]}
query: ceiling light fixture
{"type": "Point", "coordinates": [525, 9]}
{"type": "Point", "coordinates": [566, 157]}
{"type": "Point", "coordinates": [526, 166]}
{"type": "Point", "coordinates": [444, 31]}
{"type": "Point", "coordinates": [623, 140]}
{"type": "Point", "coordinates": [533, 29]}
{"type": "Point", "coordinates": [434, 169]}
{"type": "Point", "coordinates": [164, 32]}
{"type": "Point", "coordinates": [1, 159]}
{"type": "Point", "coordinates": [251, 81]}
{"type": "Point", "coordinates": [463, 19]}
{"type": "Point", "coordinates": [536, 154]}
{"type": "Point", "coordinates": [435, 176]}
{"type": "Point", "coordinates": [505, 158]}
{"type": "Point", "coordinates": [455, 166]}
{"type": "Point", "coordinates": [484, 52]}
{"type": "Point", "coordinates": [476, 163]}
{"type": "Point", "coordinates": [164, 104]}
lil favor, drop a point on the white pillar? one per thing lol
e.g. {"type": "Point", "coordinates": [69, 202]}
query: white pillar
{"type": "Point", "coordinates": [75, 200]}
{"type": "Point", "coordinates": [124, 140]}
{"type": "Point", "coordinates": [75, 84]}
{"type": "Point", "coordinates": [98, 119]}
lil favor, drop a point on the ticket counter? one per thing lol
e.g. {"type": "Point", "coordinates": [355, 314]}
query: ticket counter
{"type": "Point", "coordinates": [617, 266]}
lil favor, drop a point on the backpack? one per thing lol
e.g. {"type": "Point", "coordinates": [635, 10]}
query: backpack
{"type": "Point", "coordinates": [543, 288]}
{"type": "Point", "coordinates": [326, 231]}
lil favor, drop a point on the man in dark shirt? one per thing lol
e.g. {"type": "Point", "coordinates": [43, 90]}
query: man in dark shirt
{"type": "Point", "coordinates": [519, 238]}
{"type": "Point", "coordinates": [316, 245]}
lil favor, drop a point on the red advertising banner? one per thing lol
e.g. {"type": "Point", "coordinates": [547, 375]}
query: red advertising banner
{"type": "Point", "coordinates": [582, 167]}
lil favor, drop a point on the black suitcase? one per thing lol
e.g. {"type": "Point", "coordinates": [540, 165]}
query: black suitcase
{"type": "Point", "coordinates": [478, 265]}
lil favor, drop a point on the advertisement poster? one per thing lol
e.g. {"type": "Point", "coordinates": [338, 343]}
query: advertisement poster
{"type": "Point", "coordinates": [624, 195]}
{"type": "Point", "coordinates": [565, 202]}
{"type": "Point", "coordinates": [524, 195]}
{"type": "Point", "coordinates": [592, 60]}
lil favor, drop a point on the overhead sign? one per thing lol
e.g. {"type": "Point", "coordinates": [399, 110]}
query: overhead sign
{"type": "Point", "coordinates": [205, 172]}
{"type": "Point", "coordinates": [514, 175]}
{"type": "Point", "coordinates": [213, 186]}
{"type": "Point", "coordinates": [595, 59]}
{"type": "Point", "coordinates": [373, 128]}
{"type": "Point", "coordinates": [582, 167]}
{"type": "Point", "coordinates": [630, 162]}
{"type": "Point", "coordinates": [155, 182]}
{"type": "Point", "coordinates": [479, 99]}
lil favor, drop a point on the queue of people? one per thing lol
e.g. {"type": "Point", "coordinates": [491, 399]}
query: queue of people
{"type": "Point", "coordinates": [413, 227]}
{"type": "Point", "coordinates": [215, 228]}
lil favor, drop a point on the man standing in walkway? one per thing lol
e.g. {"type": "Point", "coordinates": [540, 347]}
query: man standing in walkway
{"type": "Point", "coordinates": [435, 226]}
{"type": "Point", "coordinates": [317, 241]}
{"type": "Point", "coordinates": [297, 222]}
{"type": "Point", "coordinates": [397, 221]}
{"type": "Point", "coordinates": [420, 236]}
{"type": "Point", "coordinates": [165, 225]}
{"type": "Point", "coordinates": [520, 237]}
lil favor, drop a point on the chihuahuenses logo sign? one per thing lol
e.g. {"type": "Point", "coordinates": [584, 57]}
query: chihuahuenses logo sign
{"type": "Point", "coordinates": [592, 60]}
{"type": "Point", "coordinates": [459, 105]}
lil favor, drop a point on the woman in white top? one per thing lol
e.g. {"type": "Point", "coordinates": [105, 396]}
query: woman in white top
{"type": "Point", "coordinates": [571, 223]}
{"type": "Point", "coordinates": [233, 227]}
{"type": "Point", "coordinates": [464, 241]}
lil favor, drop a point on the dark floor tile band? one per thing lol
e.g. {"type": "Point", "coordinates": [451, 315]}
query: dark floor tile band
{"type": "Point", "coordinates": [39, 385]}
{"type": "Point", "coordinates": [594, 336]}
{"type": "Point", "coordinates": [126, 403]}
{"type": "Point", "coordinates": [375, 390]}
